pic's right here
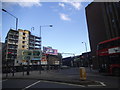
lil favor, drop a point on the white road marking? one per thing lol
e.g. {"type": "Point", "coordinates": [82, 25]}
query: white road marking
{"type": "Point", "coordinates": [93, 85]}
{"type": "Point", "coordinates": [63, 83]}
{"type": "Point", "coordinates": [31, 85]}
{"type": "Point", "coordinates": [102, 84]}
{"type": "Point", "coordinates": [3, 80]}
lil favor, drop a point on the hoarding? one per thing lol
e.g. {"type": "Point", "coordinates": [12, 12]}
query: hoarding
{"type": "Point", "coordinates": [35, 58]}
{"type": "Point", "coordinates": [26, 52]}
{"type": "Point", "coordinates": [49, 50]}
{"type": "Point", "coordinates": [31, 55]}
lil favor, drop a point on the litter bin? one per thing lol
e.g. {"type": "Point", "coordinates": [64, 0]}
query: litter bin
{"type": "Point", "coordinates": [82, 73]}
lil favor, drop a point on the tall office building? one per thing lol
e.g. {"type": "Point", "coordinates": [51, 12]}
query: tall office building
{"type": "Point", "coordinates": [103, 20]}
{"type": "Point", "coordinates": [15, 43]}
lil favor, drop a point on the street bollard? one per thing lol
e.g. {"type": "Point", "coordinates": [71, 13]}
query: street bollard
{"type": "Point", "coordinates": [82, 73]}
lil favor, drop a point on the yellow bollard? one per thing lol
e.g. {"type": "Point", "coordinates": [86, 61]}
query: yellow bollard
{"type": "Point", "coordinates": [82, 73]}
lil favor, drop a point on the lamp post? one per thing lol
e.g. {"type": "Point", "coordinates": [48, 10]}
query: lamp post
{"type": "Point", "coordinates": [85, 46]}
{"type": "Point", "coordinates": [12, 16]}
{"type": "Point", "coordinates": [86, 53]}
{"type": "Point", "coordinates": [16, 30]}
{"type": "Point", "coordinates": [86, 49]}
{"type": "Point", "coordinates": [41, 41]}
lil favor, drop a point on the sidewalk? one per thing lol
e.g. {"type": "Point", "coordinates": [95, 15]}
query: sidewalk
{"type": "Point", "coordinates": [65, 76]}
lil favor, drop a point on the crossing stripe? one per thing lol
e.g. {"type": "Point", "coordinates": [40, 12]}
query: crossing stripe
{"type": "Point", "coordinates": [31, 85]}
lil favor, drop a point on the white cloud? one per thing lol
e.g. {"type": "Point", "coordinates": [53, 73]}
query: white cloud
{"type": "Point", "coordinates": [64, 17]}
{"type": "Point", "coordinates": [62, 5]}
{"type": "Point", "coordinates": [29, 4]}
{"type": "Point", "coordinates": [76, 5]}
{"type": "Point", "coordinates": [76, 0]}
{"type": "Point", "coordinates": [25, 3]}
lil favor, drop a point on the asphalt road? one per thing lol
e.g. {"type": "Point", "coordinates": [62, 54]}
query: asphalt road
{"type": "Point", "coordinates": [25, 84]}
{"type": "Point", "coordinates": [108, 81]}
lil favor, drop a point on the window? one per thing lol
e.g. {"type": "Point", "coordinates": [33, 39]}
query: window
{"type": "Point", "coordinates": [23, 37]}
{"type": "Point", "coordinates": [23, 46]}
{"type": "Point", "coordinates": [101, 46]}
{"type": "Point", "coordinates": [114, 59]}
{"type": "Point", "coordinates": [23, 42]}
{"type": "Point", "coordinates": [23, 33]}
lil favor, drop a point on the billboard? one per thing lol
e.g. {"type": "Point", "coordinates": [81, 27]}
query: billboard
{"type": "Point", "coordinates": [31, 55]}
{"type": "Point", "coordinates": [49, 50]}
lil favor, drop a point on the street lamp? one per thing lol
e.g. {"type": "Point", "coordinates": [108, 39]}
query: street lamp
{"type": "Point", "coordinates": [86, 53]}
{"type": "Point", "coordinates": [16, 30]}
{"type": "Point", "coordinates": [41, 41]}
{"type": "Point", "coordinates": [12, 16]}
{"type": "Point", "coordinates": [85, 46]}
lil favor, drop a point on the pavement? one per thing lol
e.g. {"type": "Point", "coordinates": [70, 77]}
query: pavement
{"type": "Point", "coordinates": [60, 75]}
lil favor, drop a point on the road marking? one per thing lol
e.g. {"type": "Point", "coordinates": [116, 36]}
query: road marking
{"type": "Point", "coordinates": [93, 85]}
{"type": "Point", "coordinates": [31, 85]}
{"type": "Point", "coordinates": [63, 83]}
{"type": "Point", "coordinates": [102, 84]}
{"type": "Point", "coordinates": [4, 80]}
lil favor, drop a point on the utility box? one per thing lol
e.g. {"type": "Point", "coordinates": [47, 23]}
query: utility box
{"type": "Point", "coordinates": [82, 73]}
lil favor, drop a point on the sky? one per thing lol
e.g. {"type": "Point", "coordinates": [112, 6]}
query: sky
{"type": "Point", "coordinates": [68, 19]}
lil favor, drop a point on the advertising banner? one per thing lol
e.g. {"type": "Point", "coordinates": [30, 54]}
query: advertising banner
{"type": "Point", "coordinates": [43, 62]}
{"type": "Point", "coordinates": [51, 51]}
{"type": "Point", "coordinates": [35, 58]}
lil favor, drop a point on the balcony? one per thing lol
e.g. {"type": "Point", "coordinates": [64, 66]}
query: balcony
{"type": "Point", "coordinates": [12, 48]}
{"type": "Point", "coordinates": [16, 34]}
{"type": "Point", "coordinates": [37, 48]}
{"type": "Point", "coordinates": [37, 40]}
{"type": "Point", "coordinates": [31, 46]}
{"type": "Point", "coordinates": [37, 44]}
{"type": "Point", "coordinates": [32, 39]}
{"type": "Point", "coordinates": [15, 39]}
{"type": "Point", "coordinates": [37, 37]}
{"type": "Point", "coordinates": [13, 43]}
{"type": "Point", "coordinates": [31, 42]}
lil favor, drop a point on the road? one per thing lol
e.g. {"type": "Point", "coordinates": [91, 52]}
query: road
{"type": "Point", "coordinates": [106, 80]}
{"type": "Point", "coordinates": [109, 81]}
{"type": "Point", "coordinates": [24, 84]}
